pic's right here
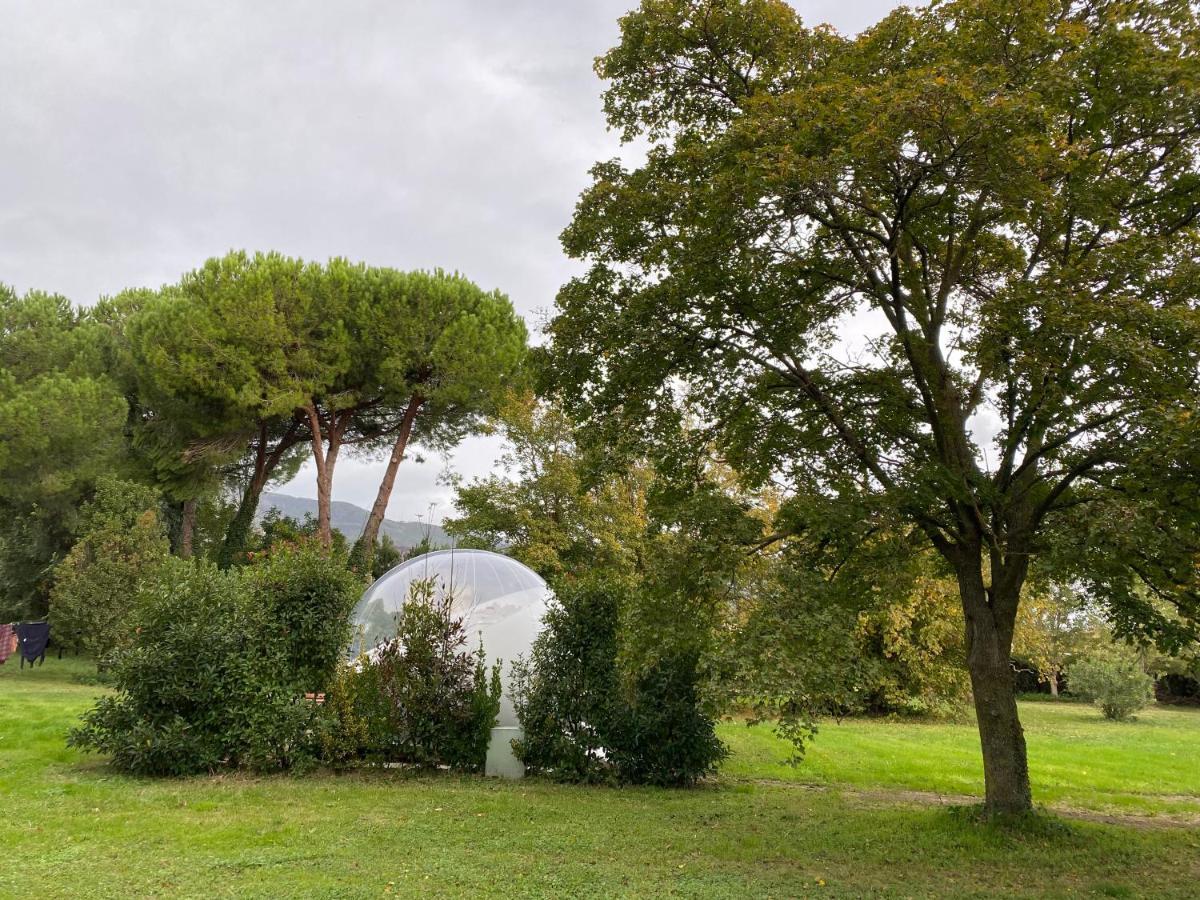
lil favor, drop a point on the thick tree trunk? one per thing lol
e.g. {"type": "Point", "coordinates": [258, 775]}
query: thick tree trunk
{"type": "Point", "coordinates": [1053, 684]}
{"type": "Point", "coordinates": [989, 625]}
{"type": "Point", "coordinates": [364, 547]}
{"type": "Point", "coordinates": [187, 528]}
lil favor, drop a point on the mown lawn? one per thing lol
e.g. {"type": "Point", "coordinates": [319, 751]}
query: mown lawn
{"type": "Point", "coordinates": [1077, 758]}
{"type": "Point", "coordinates": [71, 828]}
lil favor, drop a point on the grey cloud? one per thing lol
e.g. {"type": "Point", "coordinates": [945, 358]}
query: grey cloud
{"type": "Point", "coordinates": [137, 139]}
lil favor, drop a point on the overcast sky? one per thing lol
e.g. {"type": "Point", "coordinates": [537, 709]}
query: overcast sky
{"type": "Point", "coordinates": [138, 139]}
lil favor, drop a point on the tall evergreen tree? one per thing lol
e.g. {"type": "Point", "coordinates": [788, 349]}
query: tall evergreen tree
{"type": "Point", "coordinates": [449, 351]}
{"type": "Point", "coordinates": [228, 359]}
{"type": "Point", "coordinates": [62, 422]}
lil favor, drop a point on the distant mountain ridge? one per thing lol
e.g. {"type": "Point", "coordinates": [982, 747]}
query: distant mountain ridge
{"type": "Point", "coordinates": [349, 519]}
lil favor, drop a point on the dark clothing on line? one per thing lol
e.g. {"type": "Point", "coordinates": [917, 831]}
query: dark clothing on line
{"type": "Point", "coordinates": [33, 637]}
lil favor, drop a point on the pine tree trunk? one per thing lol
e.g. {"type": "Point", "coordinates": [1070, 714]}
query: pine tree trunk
{"type": "Point", "coordinates": [325, 459]}
{"type": "Point", "coordinates": [364, 547]}
{"type": "Point", "coordinates": [265, 462]}
{"type": "Point", "coordinates": [1002, 740]}
{"type": "Point", "coordinates": [237, 535]}
{"type": "Point", "coordinates": [187, 528]}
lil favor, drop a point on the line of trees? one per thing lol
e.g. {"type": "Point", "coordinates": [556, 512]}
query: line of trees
{"type": "Point", "coordinates": [211, 388]}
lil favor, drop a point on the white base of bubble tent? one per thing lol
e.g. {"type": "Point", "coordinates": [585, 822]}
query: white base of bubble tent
{"type": "Point", "coordinates": [500, 760]}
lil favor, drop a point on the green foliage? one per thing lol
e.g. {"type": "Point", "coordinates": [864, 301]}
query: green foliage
{"type": "Point", "coordinates": [662, 733]}
{"type": "Point", "coordinates": [1004, 196]}
{"type": "Point", "coordinates": [214, 675]}
{"type": "Point", "coordinates": [564, 693]}
{"type": "Point", "coordinates": [547, 510]}
{"type": "Point", "coordinates": [388, 556]}
{"type": "Point", "coordinates": [1056, 626]}
{"type": "Point", "coordinates": [251, 358]}
{"type": "Point", "coordinates": [837, 619]}
{"type": "Point", "coordinates": [586, 720]}
{"type": "Point", "coordinates": [222, 362]}
{"type": "Point", "coordinates": [789, 633]}
{"type": "Point", "coordinates": [1114, 681]}
{"type": "Point", "coordinates": [916, 645]}
{"type": "Point", "coordinates": [307, 594]}
{"type": "Point", "coordinates": [207, 684]}
{"type": "Point", "coordinates": [237, 342]}
{"type": "Point", "coordinates": [421, 698]}
{"type": "Point", "coordinates": [42, 333]}
{"type": "Point", "coordinates": [354, 719]}
{"type": "Point", "coordinates": [61, 422]}
{"type": "Point", "coordinates": [278, 530]}
{"type": "Point", "coordinates": [121, 544]}
{"type": "Point", "coordinates": [792, 655]}
{"type": "Point", "coordinates": [445, 353]}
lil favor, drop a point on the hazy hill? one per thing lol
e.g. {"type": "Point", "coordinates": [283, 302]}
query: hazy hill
{"type": "Point", "coordinates": [349, 519]}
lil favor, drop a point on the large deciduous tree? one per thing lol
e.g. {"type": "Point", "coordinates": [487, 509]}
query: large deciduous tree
{"type": "Point", "coordinates": [947, 269]}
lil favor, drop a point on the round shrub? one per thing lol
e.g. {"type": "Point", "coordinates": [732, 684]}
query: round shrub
{"type": "Point", "coordinates": [422, 698]}
{"type": "Point", "coordinates": [1115, 683]}
{"type": "Point", "coordinates": [206, 684]}
{"type": "Point", "coordinates": [307, 593]}
{"type": "Point", "coordinates": [584, 719]}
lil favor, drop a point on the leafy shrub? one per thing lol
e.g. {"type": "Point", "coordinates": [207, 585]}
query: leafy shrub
{"type": "Point", "coordinates": [584, 720]}
{"type": "Point", "coordinates": [1115, 683]}
{"type": "Point", "coordinates": [421, 698]}
{"type": "Point", "coordinates": [354, 720]}
{"type": "Point", "coordinates": [122, 543]}
{"type": "Point", "coordinates": [387, 556]}
{"type": "Point", "coordinates": [1174, 687]}
{"type": "Point", "coordinates": [277, 530]}
{"type": "Point", "coordinates": [915, 645]}
{"type": "Point", "coordinates": [660, 734]}
{"type": "Point", "coordinates": [206, 684]}
{"type": "Point", "coordinates": [563, 694]}
{"type": "Point", "coordinates": [308, 594]}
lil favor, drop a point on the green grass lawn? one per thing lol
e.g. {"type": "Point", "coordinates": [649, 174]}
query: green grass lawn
{"type": "Point", "coordinates": [1077, 758]}
{"type": "Point", "coordinates": [72, 828]}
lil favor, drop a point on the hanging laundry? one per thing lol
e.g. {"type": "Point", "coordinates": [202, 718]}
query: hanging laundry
{"type": "Point", "coordinates": [8, 642]}
{"type": "Point", "coordinates": [33, 637]}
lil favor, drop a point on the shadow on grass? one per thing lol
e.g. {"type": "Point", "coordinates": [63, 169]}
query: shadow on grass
{"type": "Point", "coordinates": [1039, 826]}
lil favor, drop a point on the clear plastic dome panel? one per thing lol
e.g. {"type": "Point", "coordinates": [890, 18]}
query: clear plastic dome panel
{"type": "Point", "coordinates": [499, 600]}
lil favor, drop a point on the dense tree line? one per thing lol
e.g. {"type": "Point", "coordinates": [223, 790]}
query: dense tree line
{"type": "Point", "coordinates": [209, 389]}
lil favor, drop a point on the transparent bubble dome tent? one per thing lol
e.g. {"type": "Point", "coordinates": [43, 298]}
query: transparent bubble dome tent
{"type": "Point", "coordinates": [499, 600]}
